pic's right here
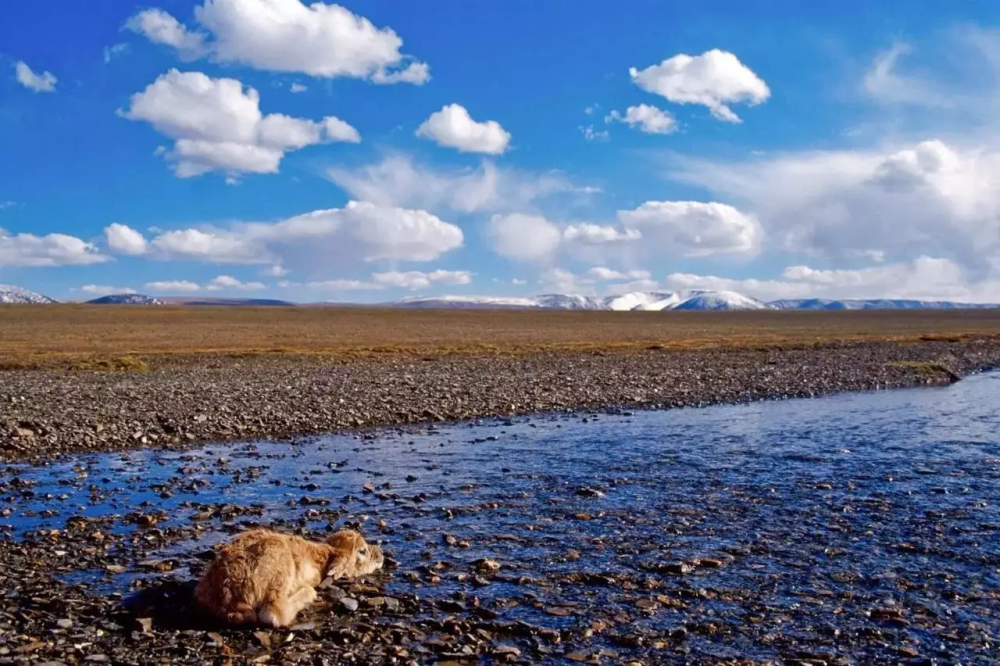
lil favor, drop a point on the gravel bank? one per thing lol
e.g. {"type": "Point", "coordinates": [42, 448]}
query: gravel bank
{"type": "Point", "coordinates": [186, 401]}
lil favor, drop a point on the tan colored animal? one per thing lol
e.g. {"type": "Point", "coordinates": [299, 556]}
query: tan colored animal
{"type": "Point", "coordinates": [265, 577]}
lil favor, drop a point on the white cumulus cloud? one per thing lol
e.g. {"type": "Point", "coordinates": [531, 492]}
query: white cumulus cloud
{"type": "Point", "coordinates": [319, 39]}
{"type": "Point", "coordinates": [122, 239]}
{"type": "Point", "coordinates": [524, 237]}
{"type": "Point", "coordinates": [228, 282]}
{"type": "Point", "coordinates": [692, 228]}
{"type": "Point", "coordinates": [900, 203]}
{"type": "Point", "coordinates": [713, 79]}
{"type": "Point", "coordinates": [217, 125]}
{"type": "Point", "coordinates": [596, 234]}
{"type": "Point", "coordinates": [161, 28]}
{"type": "Point", "coordinates": [453, 127]}
{"type": "Point", "coordinates": [358, 233]}
{"type": "Point", "coordinates": [44, 82]}
{"type": "Point", "coordinates": [48, 250]}
{"type": "Point", "coordinates": [649, 119]}
{"type": "Point", "coordinates": [924, 278]}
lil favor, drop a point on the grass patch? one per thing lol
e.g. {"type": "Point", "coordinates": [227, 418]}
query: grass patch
{"type": "Point", "coordinates": [84, 363]}
{"type": "Point", "coordinates": [90, 338]}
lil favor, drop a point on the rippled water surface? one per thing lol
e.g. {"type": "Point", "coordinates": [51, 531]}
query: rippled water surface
{"type": "Point", "coordinates": [865, 526]}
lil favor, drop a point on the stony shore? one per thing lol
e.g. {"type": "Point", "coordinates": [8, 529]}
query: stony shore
{"type": "Point", "coordinates": [185, 401]}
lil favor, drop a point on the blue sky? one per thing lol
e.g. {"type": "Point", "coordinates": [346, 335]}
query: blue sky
{"type": "Point", "coordinates": [779, 149]}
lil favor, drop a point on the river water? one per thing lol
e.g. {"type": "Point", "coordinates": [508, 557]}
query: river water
{"type": "Point", "coordinates": [864, 527]}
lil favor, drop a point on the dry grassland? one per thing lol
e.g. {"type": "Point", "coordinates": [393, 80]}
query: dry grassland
{"type": "Point", "coordinates": [129, 338]}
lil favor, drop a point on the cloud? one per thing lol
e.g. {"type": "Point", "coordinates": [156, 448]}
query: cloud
{"type": "Point", "coordinates": [173, 285]}
{"type": "Point", "coordinates": [210, 246]}
{"type": "Point", "coordinates": [357, 233]}
{"type": "Point", "coordinates": [275, 271]}
{"type": "Point", "coordinates": [665, 228]}
{"type": "Point", "coordinates": [4, 205]}
{"type": "Point", "coordinates": [161, 28]}
{"type": "Point", "coordinates": [122, 239]}
{"type": "Point", "coordinates": [453, 127]}
{"type": "Point", "coordinates": [713, 79]}
{"type": "Point", "coordinates": [605, 274]}
{"type": "Point", "coordinates": [590, 134]}
{"type": "Point", "coordinates": [562, 281]}
{"type": "Point", "coordinates": [398, 181]}
{"type": "Point", "coordinates": [297, 88]}
{"type": "Point", "coordinates": [44, 82]}
{"type": "Point", "coordinates": [412, 280]}
{"type": "Point", "coordinates": [924, 278]}
{"type": "Point", "coordinates": [230, 283]}
{"type": "Point", "coordinates": [417, 73]}
{"type": "Point", "coordinates": [105, 290]}
{"type": "Point", "coordinates": [217, 125]}
{"type": "Point", "coordinates": [320, 40]}
{"type": "Point", "coordinates": [114, 51]}
{"type": "Point", "coordinates": [883, 82]}
{"type": "Point", "coordinates": [595, 234]}
{"type": "Point", "coordinates": [928, 198]}
{"type": "Point", "coordinates": [49, 250]}
{"type": "Point", "coordinates": [692, 228]}
{"type": "Point", "coordinates": [649, 119]}
{"type": "Point", "coordinates": [524, 237]}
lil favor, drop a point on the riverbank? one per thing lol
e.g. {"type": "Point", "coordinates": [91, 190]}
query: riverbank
{"type": "Point", "coordinates": [186, 400]}
{"type": "Point", "coordinates": [857, 529]}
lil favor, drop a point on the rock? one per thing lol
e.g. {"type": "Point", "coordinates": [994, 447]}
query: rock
{"type": "Point", "coordinates": [506, 652]}
{"type": "Point", "coordinates": [64, 623]}
{"type": "Point", "coordinates": [348, 604]}
{"type": "Point", "coordinates": [885, 614]}
{"type": "Point", "coordinates": [486, 566]}
{"type": "Point", "coordinates": [589, 492]}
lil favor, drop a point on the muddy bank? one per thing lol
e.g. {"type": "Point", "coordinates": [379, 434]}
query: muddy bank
{"type": "Point", "coordinates": [180, 403]}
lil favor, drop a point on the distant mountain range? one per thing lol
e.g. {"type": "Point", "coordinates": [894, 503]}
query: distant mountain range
{"type": "Point", "coordinates": [691, 299]}
{"type": "Point", "coordinates": [12, 294]}
{"type": "Point", "coordinates": [126, 299]}
{"type": "Point", "coordinates": [650, 301]}
{"type": "Point", "coordinates": [680, 300]}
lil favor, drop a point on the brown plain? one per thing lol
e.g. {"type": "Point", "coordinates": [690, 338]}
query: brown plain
{"type": "Point", "coordinates": [119, 337]}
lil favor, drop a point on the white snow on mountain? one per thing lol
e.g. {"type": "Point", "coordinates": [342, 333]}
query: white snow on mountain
{"type": "Point", "coordinates": [126, 299]}
{"type": "Point", "coordinates": [471, 302]}
{"type": "Point", "coordinates": [12, 294]}
{"type": "Point", "coordinates": [651, 301]}
{"type": "Point", "coordinates": [722, 300]}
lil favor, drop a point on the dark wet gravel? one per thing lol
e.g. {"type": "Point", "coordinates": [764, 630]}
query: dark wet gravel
{"type": "Point", "coordinates": [858, 529]}
{"type": "Point", "coordinates": [212, 399]}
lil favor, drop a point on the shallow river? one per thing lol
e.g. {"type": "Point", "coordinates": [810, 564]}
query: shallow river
{"type": "Point", "coordinates": [863, 527]}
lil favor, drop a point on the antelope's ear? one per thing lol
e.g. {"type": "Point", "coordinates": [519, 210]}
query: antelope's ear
{"type": "Point", "coordinates": [346, 541]}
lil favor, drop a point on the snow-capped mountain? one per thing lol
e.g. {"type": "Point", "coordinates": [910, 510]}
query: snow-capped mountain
{"type": "Point", "coordinates": [469, 302]}
{"type": "Point", "coordinates": [722, 300]}
{"type": "Point", "coordinates": [690, 299]}
{"type": "Point", "coordinates": [126, 299]}
{"type": "Point", "coordinates": [12, 294]}
{"type": "Point", "coordinates": [651, 301]}
{"type": "Point", "coordinates": [874, 304]}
